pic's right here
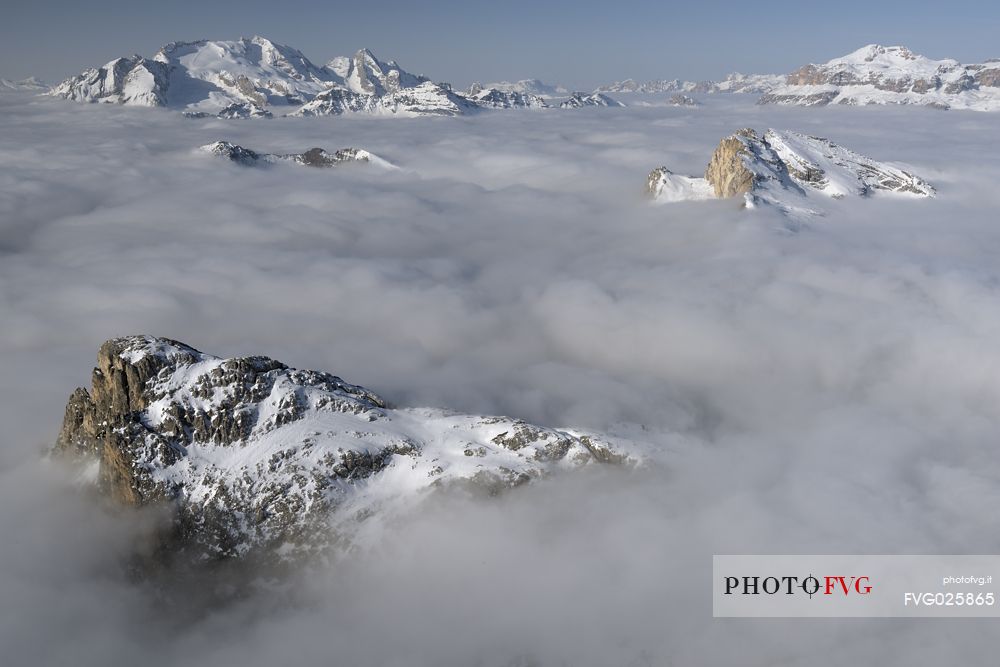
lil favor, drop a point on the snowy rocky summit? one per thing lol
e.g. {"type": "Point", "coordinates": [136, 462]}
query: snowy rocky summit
{"type": "Point", "coordinates": [203, 76]}
{"type": "Point", "coordinates": [314, 157]}
{"type": "Point", "coordinates": [258, 460]}
{"type": "Point", "coordinates": [878, 74]}
{"type": "Point", "coordinates": [786, 170]}
{"type": "Point", "coordinates": [580, 100]}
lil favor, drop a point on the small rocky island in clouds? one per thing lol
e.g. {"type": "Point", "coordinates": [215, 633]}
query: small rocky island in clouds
{"type": "Point", "coordinates": [785, 170]}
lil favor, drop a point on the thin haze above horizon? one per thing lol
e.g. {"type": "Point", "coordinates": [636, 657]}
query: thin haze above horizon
{"type": "Point", "coordinates": [576, 44]}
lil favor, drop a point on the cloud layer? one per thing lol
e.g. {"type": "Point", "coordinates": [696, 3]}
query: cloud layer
{"type": "Point", "coordinates": [829, 389]}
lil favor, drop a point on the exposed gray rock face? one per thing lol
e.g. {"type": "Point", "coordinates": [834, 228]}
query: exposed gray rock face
{"type": "Point", "coordinates": [254, 459]}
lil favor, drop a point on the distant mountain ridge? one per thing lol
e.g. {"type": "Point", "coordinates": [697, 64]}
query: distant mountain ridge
{"type": "Point", "coordinates": [876, 74]}
{"type": "Point", "coordinates": [250, 77]}
{"type": "Point", "coordinates": [31, 84]}
{"type": "Point", "coordinates": [525, 86]}
{"type": "Point", "coordinates": [871, 75]}
{"type": "Point", "coordinates": [734, 83]}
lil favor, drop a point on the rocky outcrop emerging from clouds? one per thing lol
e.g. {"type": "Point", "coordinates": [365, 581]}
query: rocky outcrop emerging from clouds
{"type": "Point", "coordinates": [679, 100]}
{"type": "Point", "coordinates": [785, 170]}
{"type": "Point", "coordinates": [256, 460]}
{"type": "Point", "coordinates": [314, 157]}
{"type": "Point", "coordinates": [244, 110]}
{"type": "Point", "coordinates": [878, 74]}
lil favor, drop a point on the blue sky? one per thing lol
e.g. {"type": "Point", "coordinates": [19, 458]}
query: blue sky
{"type": "Point", "coordinates": [580, 44]}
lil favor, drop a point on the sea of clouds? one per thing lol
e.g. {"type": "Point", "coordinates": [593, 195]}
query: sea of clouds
{"type": "Point", "coordinates": [826, 388]}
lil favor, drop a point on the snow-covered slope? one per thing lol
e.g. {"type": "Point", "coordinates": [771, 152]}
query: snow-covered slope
{"type": "Point", "coordinates": [256, 458]}
{"type": "Point", "coordinates": [786, 170]}
{"type": "Point", "coordinates": [29, 85]}
{"type": "Point", "coordinates": [205, 75]}
{"type": "Point", "coordinates": [664, 186]}
{"type": "Point", "coordinates": [877, 74]}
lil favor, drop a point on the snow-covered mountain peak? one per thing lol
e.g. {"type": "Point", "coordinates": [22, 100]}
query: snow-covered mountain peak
{"type": "Point", "coordinates": [579, 100]}
{"type": "Point", "coordinates": [876, 74]}
{"type": "Point", "coordinates": [255, 459]}
{"type": "Point", "coordinates": [365, 73]}
{"type": "Point", "coordinates": [891, 60]}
